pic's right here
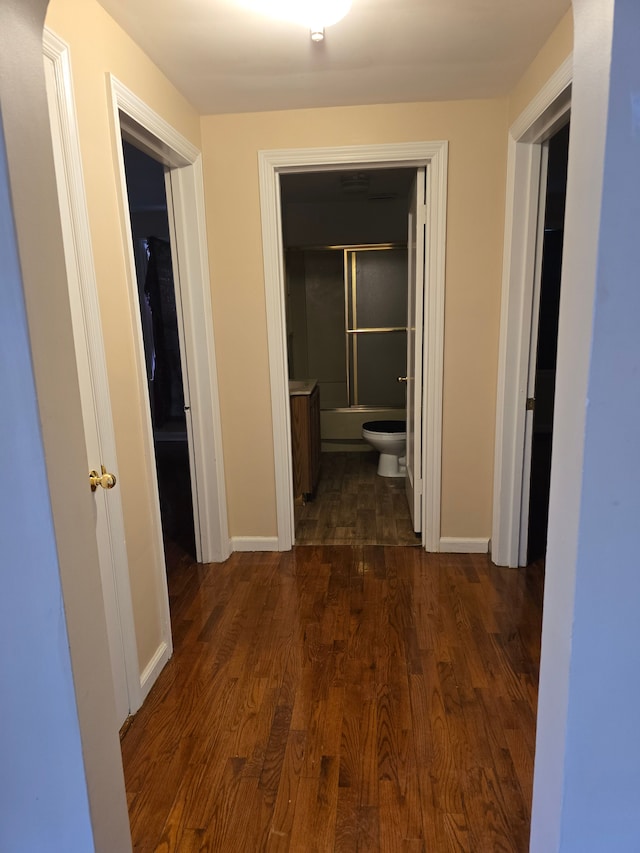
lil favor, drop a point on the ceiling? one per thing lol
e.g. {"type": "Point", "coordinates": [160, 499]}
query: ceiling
{"type": "Point", "coordinates": [224, 58]}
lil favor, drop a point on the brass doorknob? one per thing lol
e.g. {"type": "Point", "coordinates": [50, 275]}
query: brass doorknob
{"type": "Point", "coordinates": [106, 480]}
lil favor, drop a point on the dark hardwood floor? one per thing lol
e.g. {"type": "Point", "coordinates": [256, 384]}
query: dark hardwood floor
{"type": "Point", "coordinates": [345, 698]}
{"type": "Point", "coordinates": [355, 506]}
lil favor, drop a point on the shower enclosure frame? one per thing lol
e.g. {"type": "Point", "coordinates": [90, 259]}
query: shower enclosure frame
{"type": "Point", "coordinates": [351, 329]}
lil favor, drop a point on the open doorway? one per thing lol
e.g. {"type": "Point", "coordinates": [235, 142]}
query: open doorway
{"type": "Point", "coordinates": [160, 320]}
{"type": "Point", "coordinates": [433, 157]}
{"type": "Point", "coordinates": [544, 346]}
{"type": "Point", "coordinates": [133, 678]}
{"type": "Point", "coordinates": [344, 237]}
{"type": "Point", "coordinates": [528, 139]}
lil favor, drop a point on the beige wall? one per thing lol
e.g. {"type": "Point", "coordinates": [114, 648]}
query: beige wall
{"type": "Point", "coordinates": [477, 133]}
{"type": "Point", "coordinates": [97, 46]}
{"type": "Point", "coordinates": [552, 54]}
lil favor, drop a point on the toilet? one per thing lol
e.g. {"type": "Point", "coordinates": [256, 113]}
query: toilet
{"type": "Point", "coordinates": [390, 439]}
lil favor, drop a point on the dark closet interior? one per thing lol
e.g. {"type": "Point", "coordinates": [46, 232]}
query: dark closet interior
{"type": "Point", "coordinates": [547, 345]}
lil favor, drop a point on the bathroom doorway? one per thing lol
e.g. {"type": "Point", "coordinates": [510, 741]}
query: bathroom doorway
{"type": "Point", "coordinates": [160, 319]}
{"type": "Point", "coordinates": [344, 239]}
{"type": "Point", "coordinates": [273, 164]}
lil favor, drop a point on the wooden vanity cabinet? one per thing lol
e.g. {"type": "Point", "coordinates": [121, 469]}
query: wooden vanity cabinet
{"type": "Point", "coordinates": [305, 440]}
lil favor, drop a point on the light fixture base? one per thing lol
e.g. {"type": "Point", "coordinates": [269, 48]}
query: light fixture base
{"type": "Point", "coordinates": [317, 34]}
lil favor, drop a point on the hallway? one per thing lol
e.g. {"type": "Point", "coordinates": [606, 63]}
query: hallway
{"type": "Point", "coordinates": [341, 698]}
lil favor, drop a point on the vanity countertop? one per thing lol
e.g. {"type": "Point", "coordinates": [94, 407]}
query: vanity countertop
{"type": "Point", "coordinates": [298, 387]}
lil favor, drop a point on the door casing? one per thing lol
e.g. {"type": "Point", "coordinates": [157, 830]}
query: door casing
{"type": "Point", "coordinates": [137, 122]}
{"type": "Point", "coordinates": [273, 163]}
{"type": "Point", "coordinates": [546, 113]}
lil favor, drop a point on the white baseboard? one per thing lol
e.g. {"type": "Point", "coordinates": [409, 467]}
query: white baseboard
{"type": "Point", "coordinates": [448, 545]}
{"type": "Point", "coordinates": [453, 545]}
{"type": "Point", "coordinates": [153, 669]}
{"type": "Point", "coordinates": [254, 543]}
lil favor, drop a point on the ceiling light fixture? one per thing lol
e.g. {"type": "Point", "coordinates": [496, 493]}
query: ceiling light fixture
{"type": "Point", "coordinates": [314, 14]}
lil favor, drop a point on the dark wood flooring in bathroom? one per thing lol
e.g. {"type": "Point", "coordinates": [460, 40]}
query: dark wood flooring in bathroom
{"type": "Point", "coordinates": [354, 506]}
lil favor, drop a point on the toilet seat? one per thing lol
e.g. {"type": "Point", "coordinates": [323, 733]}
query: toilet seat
{"type": "Point", "coordinates": [398, 428]}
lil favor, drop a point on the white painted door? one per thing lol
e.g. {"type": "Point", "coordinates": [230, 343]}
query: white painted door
{"type": "Point", "coordinates": [533, 351]}
{"type": "Point", "coordinates": [92, 376]}
{"type": "Point", "coordinates": [415, 323]}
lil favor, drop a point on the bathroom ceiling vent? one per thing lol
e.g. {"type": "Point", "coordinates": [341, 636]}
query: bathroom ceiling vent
{"type": "Point", "coordinates": [356, 182]}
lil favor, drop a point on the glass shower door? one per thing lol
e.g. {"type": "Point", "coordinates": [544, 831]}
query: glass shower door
{"type": "Point", "coordinates": [376, 299]}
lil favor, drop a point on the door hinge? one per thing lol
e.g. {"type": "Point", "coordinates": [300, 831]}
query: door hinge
{"type": "Point", "coordinates": [531, 404]}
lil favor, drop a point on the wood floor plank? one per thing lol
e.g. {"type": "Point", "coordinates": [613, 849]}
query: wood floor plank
{"type": "Point", "coordinates": [341, 698]}
{"type": "Point", "coordinates": [284, 810]}
{"type": "Point", "coordinates": [353, 504]}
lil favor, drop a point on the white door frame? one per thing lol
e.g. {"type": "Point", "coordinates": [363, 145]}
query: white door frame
{"type": "Point", "coordinates": [433, 155]}
{"type": "Point", "coordinates": [416, 257]}
{"type": "Point", "coordinates": [152, 134]}
{"type": "Point", "coordinates": [546, 113]}
{"type": "Point", "coordinates": [83, 296]}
